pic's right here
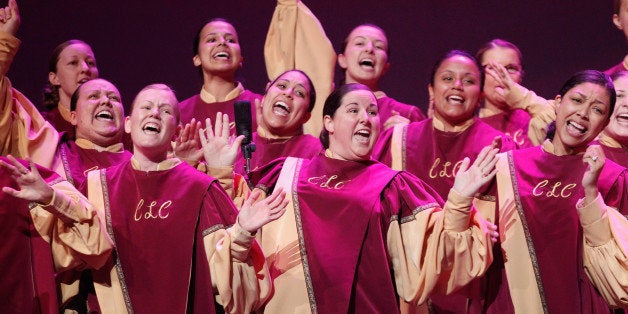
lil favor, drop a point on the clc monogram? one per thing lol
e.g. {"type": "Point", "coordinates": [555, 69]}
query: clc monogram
{"type": "Point", "coordinates": [147, 213]}
{"type": "Point", "coordinates": [328, 182]}
{"type": "Point", "coordinates": [555, 190]}
{"type": "Point", "coordinates": [444, 171]}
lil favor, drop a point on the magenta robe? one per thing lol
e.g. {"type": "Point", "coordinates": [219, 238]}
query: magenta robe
{"type": "Point", "coordinates": [158, 233]}
{"type": "Point", "coordinates": [59, 123]}
{"type": "Point", "coordinates": [514, 124]}
{"type": "Point", "coordinates": [266, 150]}
{"type": "Point", "coordinates": [77, 162]}
{"type": "Point", "coordinates": [27, 272]}
{"type": "Point", "coordinates": [434, 156]}
{"type": "Point", "coordinates": [386, 105]}
{"type": "Point", "coordinates": [617, 154]}
{"type": "Point", "coordinates": [547, 188]}
{"type": "Point", "coordinates": [344, 209]}
{"type": "Point", "coordinates": [195, 107]}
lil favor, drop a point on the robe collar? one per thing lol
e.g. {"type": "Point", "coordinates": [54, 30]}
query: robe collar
{"type": "Point", "coordinates": [87, 144]}
{"type": "Point", "coordinates": [164, 165]}
{"type": "Point", "coordinates": [440, 125]}
{"type": "Point", "coordinates": [209, 98]}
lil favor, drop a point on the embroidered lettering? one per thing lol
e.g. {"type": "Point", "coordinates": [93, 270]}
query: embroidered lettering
{"type": "Point", "coordinates": [444, 171]}
{"type": "Point", "coordinates": [518, 137]}
{"type": "Point", "coordinates": [557, 190]}
{"type": "Point", "coordinates": [328, 182]}
{"type": "Point", "coordinates": [142, 212]}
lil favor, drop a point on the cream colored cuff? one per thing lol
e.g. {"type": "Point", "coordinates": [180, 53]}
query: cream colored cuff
{"type": "Point", "coordinates": [457, 212]}
{"type": "Point", "coordinates": [61, 206]}
{"type": "Point", "coordinates": [241, 242]}
{"type": "Point", "coordinates": [594, 221]}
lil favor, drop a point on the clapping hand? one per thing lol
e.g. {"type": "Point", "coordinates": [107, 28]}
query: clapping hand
{"type": "Point", "coordinates": [188, 144]}
{"type": "Point", "coordinates": [253, 216]}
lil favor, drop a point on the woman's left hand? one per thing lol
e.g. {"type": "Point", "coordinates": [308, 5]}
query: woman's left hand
{"type": "Point", "coordinates": [594, 157]}
{"type": "Point", "coordinates": [469, 179]}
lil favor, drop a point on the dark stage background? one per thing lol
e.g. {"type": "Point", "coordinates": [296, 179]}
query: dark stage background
{"type": "Point", "coordinates": [142, 42]}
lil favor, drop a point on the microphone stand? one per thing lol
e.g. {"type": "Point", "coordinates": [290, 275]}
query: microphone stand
{"type": "Point", "coordinates": [247, 151]}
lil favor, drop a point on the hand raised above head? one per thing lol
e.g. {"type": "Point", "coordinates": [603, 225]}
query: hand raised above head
{"type": "Point", "coordinates": [32, 186]}
{"type": "Point", "coordinates": [10, 18]}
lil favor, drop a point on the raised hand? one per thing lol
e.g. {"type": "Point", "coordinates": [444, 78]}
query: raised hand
{"type": "Point", "coordinates": [500, 74]}
{"type": "Point", "coordinates": [594, 157]}
{"type": "Point", "coordinates": [469, 180]}
{"type": "Point", "coordinates": [219, 148]}
{"type": "Point", "coordinates": [395, 118]}
{"type": "Point", "coordinates": [10, 18]}
{"type": "Point", "coordinates": [253, 216]}
{"type": "Point", "coordinates": [188, 144]}
{"type": "Point", "coordinates": [32, 186]}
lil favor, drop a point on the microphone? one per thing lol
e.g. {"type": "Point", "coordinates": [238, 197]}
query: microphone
{"type": "Point", "coordinates": [244, 125]}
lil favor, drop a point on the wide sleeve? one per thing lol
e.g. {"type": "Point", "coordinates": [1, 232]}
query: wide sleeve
{"type": "Point", "coordinates": [233, 183]}
{"type": "Point", "coordinates": [297, 40]}
{"type": "Point", "coordinates": [606, 250]}
{"type": "Point", "coordinates": [71, 224]}
{"type": "Point", "coordinates": [542, 111]}
{"type": "Point", "coordinates": [434, 249]}
{"type": "Point", "coordinates": [238, 268]}
{"type": "Point", "coordinates": [23, 131]}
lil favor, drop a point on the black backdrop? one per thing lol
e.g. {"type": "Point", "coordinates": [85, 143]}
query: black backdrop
{"type": "Point", "coordinates": [142, 42]}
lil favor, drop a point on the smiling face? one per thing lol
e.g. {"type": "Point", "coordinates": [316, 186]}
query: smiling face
{"type": "Point", "coordinates": [218, 49]}
{"type": "Point", "coordinates": [580, 116]}
{"type": "Point", "coordinates": [354, 128]}
{"type": "Point", "coordinates": [456, 90]}
{"type": "Point", "coordinates": [285, 104]}
{"type": "Point", "coordinates": [618, 126]}
{"type": "Point", "coordinates": [154, 122]}
{"type": "Point", "coordinates": [76, 65]}
{"type": "Point", "coordinates": [99, 113]}
{"type": "Point", "coordinates": [365, 58]}
{"type": "Point", "coordinates": [509, 58]}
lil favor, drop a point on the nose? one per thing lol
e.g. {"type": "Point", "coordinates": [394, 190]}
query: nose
{"type": "Point", "coordinates": [84, 66]}
{"type": "Point", "coordinates": [289, 92]}
{"type": "Point", "coordinates": [365, 118]}
{"type": "Point", "coordinates": [584, 112]}
{"type": "Point", "coordinates": [458, 84]}
{"type": "Point", "coordinates": [368, 46]}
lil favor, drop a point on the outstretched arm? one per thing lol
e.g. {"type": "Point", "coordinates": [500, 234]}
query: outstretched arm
{"type": "Point", "coordinates": [32, 186]}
